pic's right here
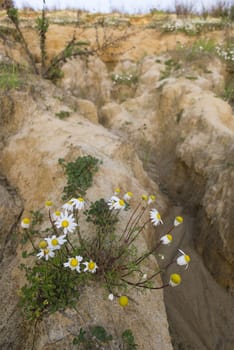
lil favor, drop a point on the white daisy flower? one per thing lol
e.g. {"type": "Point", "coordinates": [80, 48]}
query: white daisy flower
{"type": "Point", "coordinates": [183, 260]}
{"type": "Point", "coordinates": [25, 223]}
{"type": "Point", "coordinates": [175, 280]}
{"type": "Point", "coordinates": [151, 199]}
{"type": "Point", "coordinates": [155, 217]}
{"type": "Point", "coordinates": [66, 222]}
{"type": "Point", "coordinates": [74, 263]}
{"type": "Point", "coordinates": [68, 206]}
{"type": "Point", "coordinates": [90, 266]}
{"type": "Point", "coordinates": [128, 196]}
{"type": "Point", "coordinates": [178, 220]}
{"type": "Point", "coordinates": [78, 203]}
{"type": "Point", "coordinates": [116, 203]}
{"type": "Point", "coordinates": [167, 239]}
{"type": "Point", "coordinates": [111, 297]}
{"type": "Point", "coordinates": [46, 253]}
{"type": "Point", "coordinates": [56, 215]}
{"type": "Point", "coordinates": [111, 202]}
{"type": "Point", "coordinates": [54, 242]}
{"type": "Point", "coordinates": [120, 204]}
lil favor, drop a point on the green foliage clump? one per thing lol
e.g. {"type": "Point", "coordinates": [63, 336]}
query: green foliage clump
{"type": "Point", "coordinates": [49, 288]}
{"type": "Point", "coordinates": [62, 114]}
{"type": "Point", "coordinates": [79, 175]}
{"type": "Point", "coordinates": [171, 66]}
{"type": "Point", "coordinates": [96, 337]}
{"type": "Point", "coordinates": [93, 338]}
{"type": "Point", "coordinates": [9, 76]}
{"type": "Point", "coordinates": [13, 15]}
{"type": "Point", "coordinates": [128, 340]}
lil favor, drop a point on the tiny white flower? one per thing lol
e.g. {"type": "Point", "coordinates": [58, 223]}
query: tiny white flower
{"type": "Point", "coordinates": [49, 204]}
{"type": "Point", "coordinates": [167, 239]}
{"type": "Point", "coordinates": [46, 253]}
{"type": "Point", "coordinates": [111, 297]}
{"type": "Point", "coordinates": [68, 206]}
{"type": "Point", "coordinates": [74, 263]}
{"type": "Point", "coordinates": [127, 196]}
{"type": "Point", "coordinates": [155, 217]}
{"type": "Point", "coordinates": [25, 223]}
{"type": "Point", "coordinates": [151, 199]}
{"type": "Point", "coordinates": [175, 280]}
{"type": "Point", "coordinates": [66, 222]}
{"type": "Point", "coordinates": [78, 203]}
{"type": "Point", "coordinates": [56, 215]}
{"type": "Point", "coordinates": [178, 220]}
{"type": "Point", "coordinates": [183, 260]}
{"type": "Point", "coordinates": [90, 266]}
{"type": "Point", "coordinates": [54, 242]}
{"type": "Point", "coordinates": [161, 256]}
{"type": "Point", "coordinates": [144, 276]}
{"type": "Point", "coordinates": [117, 191]}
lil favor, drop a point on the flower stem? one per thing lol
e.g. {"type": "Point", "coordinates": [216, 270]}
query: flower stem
{"type": "Point", "coordinates": [143, 286]}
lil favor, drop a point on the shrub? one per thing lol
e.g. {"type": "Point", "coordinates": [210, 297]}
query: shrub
{"type": "Point", "coordinates": [6, 4]}
{"type": "Point", "coordinates": [183, 8]}
{"type": "Point", "coordinates": [220, 9]}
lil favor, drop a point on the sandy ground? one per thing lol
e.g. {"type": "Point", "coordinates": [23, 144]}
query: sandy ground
{"type": "Point", "coordinates": [200, 312]}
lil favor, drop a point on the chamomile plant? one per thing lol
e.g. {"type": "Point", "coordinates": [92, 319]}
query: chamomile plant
{"type": "Point", "coordinates": [66, 258]}
{"type": "Point", "coordinates": [92, 242]}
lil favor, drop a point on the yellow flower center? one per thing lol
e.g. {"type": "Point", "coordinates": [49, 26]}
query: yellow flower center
{"type": "Point", "coordinates": [130, 194]}
{"type": "Point", "coordinates": [43, 244]}
{"type": "Point", "coordinates": [175, 278]}
{"type": "Point", "coordinates": [144, 197]}
{"type": "Point", "coordinates": [54, 241]}
{"type": "Point", "coordinates": [123, 300]}
{"type": "Point", "coordinates": [46, 251]}
{"type": "Point", "coordinates": [91, 265]}
{"type": "Point", "coordinates": [74, 262]}
{"type": "Point", "coordinates": [117, 190]}
{"type": "Point", "coordinates": [57, 213]}
{"type": "Point", "coordinates": [121, 202]}
{"type": "Point", "coordinates": [158, 216]}
{"type": "Point", "coordinates": [169, 237]}
{"type": "Point", "coordinates": [65, 223]}
{"type": "Point", "coordinates": [81, 199]}
{"type": "Point", "coordinates": [48, 203]}
{"type": "Point", "coordinates": [179, 219]}
{"type": "Point", "coordinates": [26, 221]}
{"type": "Point", "coordinates": [152, 197]}
{"type": "Point", "coordinates": [187, 258]}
